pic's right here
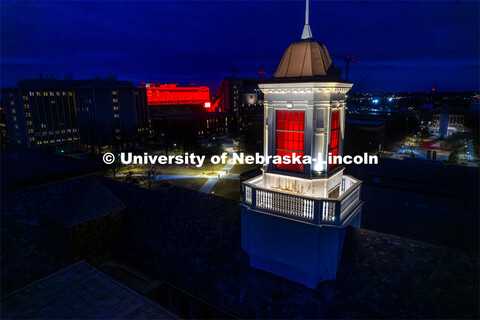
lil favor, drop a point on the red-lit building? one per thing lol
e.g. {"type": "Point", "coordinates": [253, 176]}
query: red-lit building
{"type": "Point", "coordinates": [169, 94]}
{"type": "Point", "coordinates": [189, 109]}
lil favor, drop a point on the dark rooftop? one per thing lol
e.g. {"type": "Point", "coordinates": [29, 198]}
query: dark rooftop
{"type": "Point", "coordinates": [79, 292]}
{"type": "Point", "coordinates": [29, 252]}
{"type": "Point", "coordinates": [192, 240]}
{"type": "Point", "coordinates": [422, 200]}
{"type": "Point", "coordinates": [25, 168]}
{"type": "Point", "coordinates": [84, 203]}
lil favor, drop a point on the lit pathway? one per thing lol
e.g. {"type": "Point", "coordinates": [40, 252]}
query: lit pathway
{"type": "Point", "coordinates": [207, 187]}
{"type": "Point", "coordinates": [408, 150]}
{"type": "Point", "coordinates": [212, 178]}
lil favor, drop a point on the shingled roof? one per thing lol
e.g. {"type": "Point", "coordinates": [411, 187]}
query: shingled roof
{"type": "Point", "coordinates": [193, 241]}
{"type": "Point", "coordinates": [84, 203]}
{"type": "Point", "coordinates": [79, 292]}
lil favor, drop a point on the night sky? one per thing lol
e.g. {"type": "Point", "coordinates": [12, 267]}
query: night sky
{"type": "Point", "coordinates": [399, 46]}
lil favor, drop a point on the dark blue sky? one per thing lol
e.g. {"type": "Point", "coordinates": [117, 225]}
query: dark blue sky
{"type": "Point", "coordinates": [399, 46]}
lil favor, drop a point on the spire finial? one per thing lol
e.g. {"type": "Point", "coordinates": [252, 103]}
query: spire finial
{"type": "Point", "coordinates": [307, 33]}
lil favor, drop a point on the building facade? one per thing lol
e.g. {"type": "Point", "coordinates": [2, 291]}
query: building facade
{"type": "Point", "coordinates": [143, 118]}
{"type": "Point", "coordinates": [41, 116]}
{"type": "Point", "coordinates": [294, 216]}
{"type": "Point", "coordinates": [95, 114]}
{"type": "Point", "coordinates": [178, 120]}
{"type": "Point", "coordinates": [241, 97]}
{"type": "Point", "coordinates": [170, 94]}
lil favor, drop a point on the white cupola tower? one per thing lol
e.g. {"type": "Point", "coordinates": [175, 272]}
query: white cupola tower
{"type": "Point", "coordinates": [293, 215]}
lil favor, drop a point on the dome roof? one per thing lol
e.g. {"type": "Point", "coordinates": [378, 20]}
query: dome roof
{"type": "Point", "coordinates": [307, 58]}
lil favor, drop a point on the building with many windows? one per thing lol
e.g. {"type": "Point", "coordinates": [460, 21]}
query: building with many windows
{"type": "Point", "coordinates": [94, 114]}
{"type": "Point", "coordinates": [143, 118]}
{"type": "Point", "coordinates": [176, 121]}
{"type": "Point", "coordinates": [241, 97]}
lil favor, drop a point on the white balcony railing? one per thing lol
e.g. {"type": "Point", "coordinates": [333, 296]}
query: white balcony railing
{"type": "Point", "coordinates": [309, 209]}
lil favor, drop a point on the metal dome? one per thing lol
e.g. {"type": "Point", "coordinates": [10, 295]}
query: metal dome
{"type": "Point", "coordinates": [305, 58]}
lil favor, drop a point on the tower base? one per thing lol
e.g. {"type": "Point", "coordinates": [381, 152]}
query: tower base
{"type": "Point", "coordinates": [295, 250]}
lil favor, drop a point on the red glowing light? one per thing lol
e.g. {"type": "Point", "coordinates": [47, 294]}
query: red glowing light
{"type": "Point", "coordinates": [208, 104]}
{"type": "Point", "coordinates": [290, 137]}
{"type": "Point", "coordinates": [334, 135]}
{"type": "Point", "coordinates": [170, 94]}
{"type": "Point", "coordinates": [433, 89]}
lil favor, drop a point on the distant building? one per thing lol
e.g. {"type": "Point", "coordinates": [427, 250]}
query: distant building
{"type": "Point", "coordinates": [181, 113]}
{"type": "Point", "coordinates": [176, 120]}
{"type": "Point", "coordinates": [241, 97]}
{"type": "Point", "coordinates": [169, 94]}
{"type": "Point", "coordinates": [40, 114]}
{"type": "Point", "coordinates": [446, 120]}
{"type": "Point", "coordinates": [143, 118]}
{"type": "Point", "coordinates": [98, 113]}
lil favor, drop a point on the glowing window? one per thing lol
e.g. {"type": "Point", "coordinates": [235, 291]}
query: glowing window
{"type": "Point", "coordinates": [290, 137]}
{"type": "Point", "coordinates": [334, 135]}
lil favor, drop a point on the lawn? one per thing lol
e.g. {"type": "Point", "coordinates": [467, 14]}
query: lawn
{"type": "Point", "coordinates": [241, 168]}
{"type": "Point", "coordinates": [227, 188]}
{"type": "Point", "coordinates": [189, 183]}
{"type": "Point", "coordinates": [207, 168]}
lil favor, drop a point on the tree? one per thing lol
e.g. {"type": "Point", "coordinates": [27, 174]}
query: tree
{"type": "Point", "coordinates": [115, 167]}
{"type": "Point", "coordinates": [453, 157]}
{"type": "Point", "coordinates": [148, 175]}
{"type": "Point", "coordinates": [130, 179]}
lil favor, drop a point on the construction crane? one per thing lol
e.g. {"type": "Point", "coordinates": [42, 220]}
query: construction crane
{"type": "Point", "coordinates": [347, 61]}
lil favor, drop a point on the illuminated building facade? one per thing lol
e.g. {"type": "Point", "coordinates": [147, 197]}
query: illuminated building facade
{"type": "Point", "coordinates": [170, 94]}
{"type": "Point", "coordinates": [294, 216]}
{"type": "Point", "coordinates": [94, 114]}
{"type": "Point", "coordinates": [41, 116]}
{"type": "Point", "coordinates": [177, 112]}
{"type": "Point", "coordinates": [445, 123]}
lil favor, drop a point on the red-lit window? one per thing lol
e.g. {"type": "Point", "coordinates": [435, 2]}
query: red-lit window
{"type": "Point", "coordinates": [290, 135]}
{"type": "Point", "coordinates": [334, 135]}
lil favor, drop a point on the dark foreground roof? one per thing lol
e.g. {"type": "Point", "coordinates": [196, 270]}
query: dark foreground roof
{"type": "Point", "coordinates": [26, 168]}
{"type": "Point", "coordinates": [28, 250]}
{"type": "Point", "coordinates": [422, 200]}
{"type": "Point", "coordinates": [84, 202]}
{"type": "Point", "coordinates": [79, 292]}
{"type": "Point", "coordinates": [193, 241]}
